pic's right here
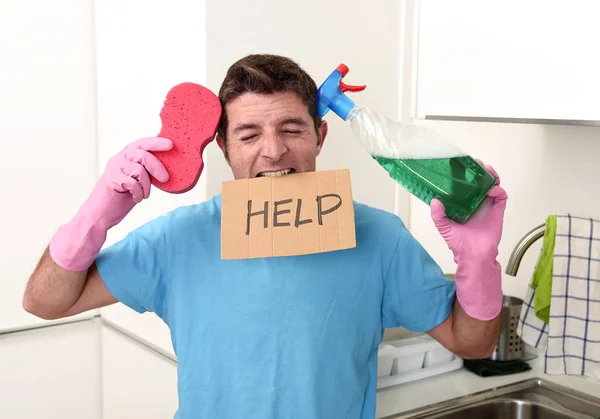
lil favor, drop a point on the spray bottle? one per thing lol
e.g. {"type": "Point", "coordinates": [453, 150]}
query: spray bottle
{"type": "Point", "coordinates": [418, 158]}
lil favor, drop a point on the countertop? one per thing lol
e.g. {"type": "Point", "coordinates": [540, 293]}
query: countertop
{"type": "Point", "coordinates": [421, 393]}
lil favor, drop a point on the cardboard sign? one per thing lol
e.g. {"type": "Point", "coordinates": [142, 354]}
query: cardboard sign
{"type": "Point", "coordinates": [288, 215]}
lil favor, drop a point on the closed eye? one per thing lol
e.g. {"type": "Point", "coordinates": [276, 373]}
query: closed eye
{"type": "Point", "coordinates": [289, 131]}
{"type": "Point", "coordinates": [249, 137]}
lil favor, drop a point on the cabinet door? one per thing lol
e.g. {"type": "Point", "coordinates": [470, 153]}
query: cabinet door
{"type": "Point", "coordinates": [509, 59]}
{"type": "Point", "coordinates": [137, 382]}
{"type": "Point", "coordinates": [51, 372]}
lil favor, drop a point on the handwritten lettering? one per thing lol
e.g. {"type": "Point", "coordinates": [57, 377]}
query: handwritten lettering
{"type": "Point", "coordinates": [320, 211]}
{"type": "Point", "coordinates": [252, 214]}
{"type": "Point", "coordinates": [278, 213]}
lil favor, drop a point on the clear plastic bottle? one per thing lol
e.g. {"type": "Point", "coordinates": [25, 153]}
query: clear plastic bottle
{"type": "Point", "coordinates": [415, 156]}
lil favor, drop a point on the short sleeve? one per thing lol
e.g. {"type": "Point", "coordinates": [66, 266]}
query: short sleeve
{"type": "Point", "coordinates": [417, 295]}
{"type": "Point", "coordinates": [134, 269]}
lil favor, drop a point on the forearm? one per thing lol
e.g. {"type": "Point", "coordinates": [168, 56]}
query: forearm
{"type": "Point", "coordinates": [61, 274]}
{"type": "Point", "coordinates": [473, 338]}
{"type": "Point", "coordinates": [66, 280]}
{"type": "Point", "coordinates": [477, 307]}
{"type": "Point", "coordinates": [51, 290]}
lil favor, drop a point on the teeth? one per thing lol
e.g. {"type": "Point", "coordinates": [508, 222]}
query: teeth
{"type": "Point", "coordinates": [274, 174]}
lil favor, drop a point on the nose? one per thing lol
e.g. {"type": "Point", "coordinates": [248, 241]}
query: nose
{"type": "Point", "coordinates": [273, 147]}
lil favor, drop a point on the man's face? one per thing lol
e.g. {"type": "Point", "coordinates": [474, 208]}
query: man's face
{"type": "Point", "coordinates": [270, 135]}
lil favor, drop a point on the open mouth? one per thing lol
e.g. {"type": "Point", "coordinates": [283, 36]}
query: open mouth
{"type": "Point", "coordinates": [276, 173]}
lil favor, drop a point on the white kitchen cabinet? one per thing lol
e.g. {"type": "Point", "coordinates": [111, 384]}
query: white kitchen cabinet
{"type": "Point", "coordinates": [51, 373]}
{"type": "Point", "coordinates": [137, 382]}
{"type": "Point", "coordinates": [532, 60]}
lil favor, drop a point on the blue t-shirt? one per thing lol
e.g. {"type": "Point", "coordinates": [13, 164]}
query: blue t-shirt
{"type": "Point", "coordinates": [281, 337]}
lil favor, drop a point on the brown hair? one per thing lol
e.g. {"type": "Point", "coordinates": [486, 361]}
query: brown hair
{"type": "Point", "coordinates": [266, 74]}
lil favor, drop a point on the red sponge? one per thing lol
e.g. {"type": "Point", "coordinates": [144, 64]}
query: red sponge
{"type": "Point", "coordinates": [190, 117]}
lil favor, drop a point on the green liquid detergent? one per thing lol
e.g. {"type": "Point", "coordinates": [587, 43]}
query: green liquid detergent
{"type": "Point", "coordinates": [418, 158]}
{"type": "Point", "coordinates": [460, 183]}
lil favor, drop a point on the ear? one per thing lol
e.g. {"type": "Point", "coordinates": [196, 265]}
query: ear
{"type": "Point", "coordinates": [223, 148]}
{"type": "Point", "coordinates": [323, 133]}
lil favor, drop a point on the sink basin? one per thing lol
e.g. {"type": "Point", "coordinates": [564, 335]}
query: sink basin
{"type": "Point", "coordinates": [534, 398]}
{"type": "Point", "coordinates": [507, 408]}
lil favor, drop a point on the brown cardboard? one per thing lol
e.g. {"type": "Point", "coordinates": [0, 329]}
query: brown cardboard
{"type": "Point", "coordinates": [244, 237]}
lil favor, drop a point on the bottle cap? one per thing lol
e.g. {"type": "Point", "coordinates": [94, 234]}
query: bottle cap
{"type": "Point", "coordinates": [330, 94]}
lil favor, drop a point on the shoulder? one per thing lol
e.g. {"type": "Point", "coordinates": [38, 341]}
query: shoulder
{"type": "Point", "coordinates": [209, 208]}
{"type": "Point", "coordinates": [185, 217]}
{"type": "Point", "coordinates": [377, 219]}
{"type": "Point", "coordinates": [198, 216]}
{"type": "Point", "coordinates": [375, 225]}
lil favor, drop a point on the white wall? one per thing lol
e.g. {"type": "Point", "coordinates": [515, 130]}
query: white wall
{"type": "Point", "coordinates": [319, 36]}
{"type": "Point", "coordinates": [47, 138]}
{"type": "Point", "coordinates": [143, 49]}
{"type": "Point", "coordinates": [545, 169]}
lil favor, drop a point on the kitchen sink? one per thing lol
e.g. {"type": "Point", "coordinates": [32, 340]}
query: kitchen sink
{"type": "Point", "coordinates": [530, 399]}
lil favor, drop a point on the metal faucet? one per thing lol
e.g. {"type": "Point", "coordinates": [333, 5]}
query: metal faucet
{"type": "Point", "coordinates": [519, 251]}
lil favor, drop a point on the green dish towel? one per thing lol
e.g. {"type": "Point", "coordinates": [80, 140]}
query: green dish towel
{"type": "Point", "coordinates": [489, 368]}
{"type": "Point", "coordinates": [542, 275]}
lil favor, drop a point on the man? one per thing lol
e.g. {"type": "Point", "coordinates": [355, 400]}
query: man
{"type": "Point", "coordinates": [285, 337]}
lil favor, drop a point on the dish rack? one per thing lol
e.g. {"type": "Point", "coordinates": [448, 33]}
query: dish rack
{"type": "Point", "coordinates": [404, 360]}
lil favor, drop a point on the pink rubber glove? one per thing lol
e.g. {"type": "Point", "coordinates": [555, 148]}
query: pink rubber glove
{"type": "Point", "coordinates": [475, 246]}
{"type": "Point", "coordinates": [124, 183]}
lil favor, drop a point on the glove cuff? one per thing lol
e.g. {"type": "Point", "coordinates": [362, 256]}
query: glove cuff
{"type": "Point", "coordinates": [479, 288]}
{"type": "Point", "coordinates": [75, 245]}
